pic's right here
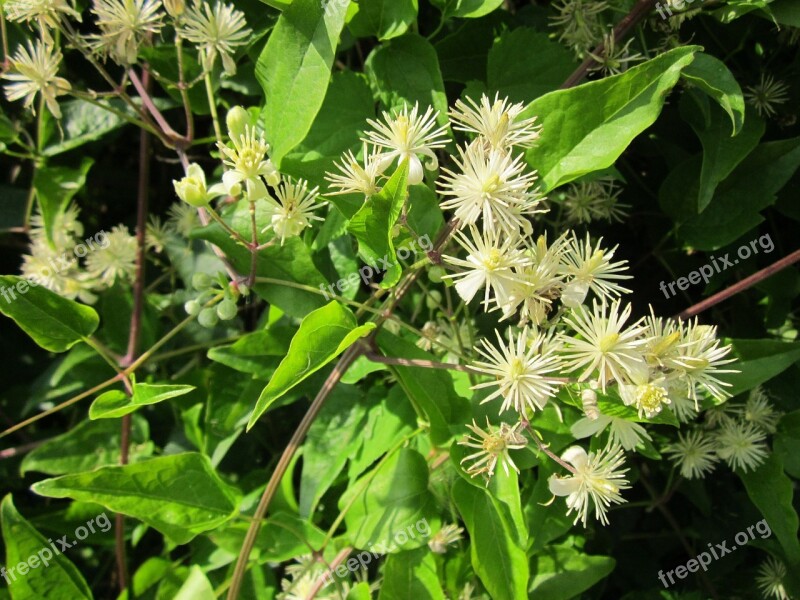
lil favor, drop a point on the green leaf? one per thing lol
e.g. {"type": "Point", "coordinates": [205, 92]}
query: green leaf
{"type": "Point", "coordinates": [562, 573]}
{"type": "Point", "coordinates": [411, 574]}
{"type": "Point", "coordinates": [12, 208]}
{"type": "Point", "coordinates": [786, 443]}
{"type": "Point", "coordinates": [332, 439]}
{"type": "Point", "coordinates": [406, 70]}
{"type": "Point", "coordinates": [759, 361]}
{"type": "Point", "coordinates": [735, 209]}
{"type": "Point", "coordinates": [467, 9]}
{"type": "Point", "coordinates": [323, 335]}
{"type": "Point", "coordinates": [771, 491]}
{"type": "Point", "coordinates": [179, 495]}
{"type": "Point", "coordinates": [384, 19]}
{"type": "Point", "coordinates": [115, 404]}
{"type": "Point", "coordinates": [497, 554]}
{"type": "Point", "coordinates": [83, 122]}
{"type": "Point", "coordinates": [429, 389]}
{"type": "Point", "coordinates": [391, 508]}
{"type": "Point", "coordinates": [586, 128]}
{"type": "Point", "coordinates": [253, 353]}
{"type": "Point", "coordinates": [547, 65]}
{"type": "Point", "coordinates": [91, 444]}
{"type": "Point", "coordinates": [54, 323]}
{"type": "Point", "coordinates": [712, 76]}
{"type": "Point", "coordinates": [55, 187]}
{"type": "Point", "coordinates": [295, 69]}
{"type": "Point", "coordinates": [196, 587]}
{"type": "Point", "coordinates": [721, 153]}
{"type": "Point", "coordinates": [282, 537]}
{"type": "Point", "coordinates": [786, 12]}
{"type": "Point", "coordinates": [347, 106]}
{"type": "Point", "coordinates": [54, 576]}
{"type": "Point", "coordinates": [374, 223]}
{"type": "Point", "coordinates": [291, 262]}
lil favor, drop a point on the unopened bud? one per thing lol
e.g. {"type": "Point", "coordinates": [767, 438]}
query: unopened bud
{"type": "Point", "coordinates": [192, 188]}
{"type": "Point", "coordinates": [175, 8]}
{"type": "Point", "coordinates": [236, 120]}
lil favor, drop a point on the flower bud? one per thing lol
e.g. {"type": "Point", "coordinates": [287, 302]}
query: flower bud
{"type": "Point", "coordinates": [208, 318]}
{"type": "Point", "coordinates": [201, 281]}
{"type": "Point", "coordinates": [236, 120]}
{"type": "Point", "coordinates": [175, 8]}
{"type": "Point", "coordinates": [192, 188]}
{"type": "Point", "coordinates": [226, 310]}
{"type": "Point", "coordinates": [192, 308]}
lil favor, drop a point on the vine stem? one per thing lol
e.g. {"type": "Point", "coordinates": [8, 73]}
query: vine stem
{"type": "Point", "coordinates": [622, 29]}
{"type": "Point", "coordinates": [546, 449]}
{"type": "Point", "coordinates": [740, 286]}
{"type": "Point", "coordinates": [339, 370]}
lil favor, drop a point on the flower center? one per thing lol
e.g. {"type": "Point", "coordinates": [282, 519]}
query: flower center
{"type": "Point", "coordinates": [490, 185]}
{"type": "Point", "coordinates": [516, 369]}
{"type": "Point", "coordinates": [650, 397]}
{"type": "Point", "coordinates": [493, 260]}
{"type": "Point", "coordinates": [494, 444]}
{"type": "Point", "coordinates": [608, 342]}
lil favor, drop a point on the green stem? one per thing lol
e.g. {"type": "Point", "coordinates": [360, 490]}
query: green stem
{"type": "Point", "coordinates": [212, 102]}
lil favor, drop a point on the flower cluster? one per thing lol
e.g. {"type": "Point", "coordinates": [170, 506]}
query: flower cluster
{"type": "Point", "coordinates": [73, 267]}
{"type": "Point", "coordinates": [563, 297]}
{"type": "Point", "coordinates": [123, 28]}
{"type": "Point", "coordinates": [735, 433]}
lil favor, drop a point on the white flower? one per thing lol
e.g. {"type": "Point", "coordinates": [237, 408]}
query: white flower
{"type": "Point", "coordinates": [590, 268]}
{"type": "Point", "coordinates": [663, 338]}
{"type": "Point", "coordinates": [355, 179]}
{"type": "Point", "coordinates": [294, 209]}
{"type": "Point", "coordinates": [495, 122]}
{"type": "Point", "coordinates": [45, 13]}
{"type": "Point", "coordinates": [192, 188]}
{"type": "Point", "coordinates": [34, 71]}
{"type": "Point", "coordinates": [183, 218]}
{"type": "Point", "coordinates": [741, 445]}
{"type": "Point", "coordinates": [589, 201]}
{"type": "Point", "coordinates": [597, 476]}
{"type": "Point", "coordinates": [680, 403]}
{"type": "Point", "coordinates": [694, 453]}
{"type": "Point", "coordinates": [621, 431]}
{"type": "Point", "coordinates": [770, 579]}
{"type": "Point", "coordinates": [405, 136]}
{"type": "Point", "coordinates": [447, 535]}
{"type": "Point", "coordinates": [248, 163]}
{"type": "Point", "coordinates": [521, 370]}
{"type": "Point", "coordinates": [66, 229]}
{"type": "Point", "coordinates": [116, 261]}
{"type": "Point", "coordinates": [539, 283]}
{"type": "Point", "coordinates": [490, 263]}
{"type": "Point", "coordinates": [492, 185]}
{"type": "Point", "coordinates": [217, 31]}
{"type": "Point", "coordinates": [759, 411]}
{"type": "Point", "coordinates": [698, 359]}
{"type": "Point", "coordinates": [125, 25]}
{"type": "Point", "coordinates": [493, 446]}
{"type": "Point", "coordinates": [614, 59]}
{"type": "Point", "coordinates": [603, 345]}
{"type": "Point", "coordinates": [648, 396]}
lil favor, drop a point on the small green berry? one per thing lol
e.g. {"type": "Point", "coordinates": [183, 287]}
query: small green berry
{"type": "Point", "coordinates": [226, 310]}
{"type": "Point", "coordinates": [208, 318]}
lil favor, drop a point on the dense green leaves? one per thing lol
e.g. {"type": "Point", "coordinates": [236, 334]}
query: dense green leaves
{"type": "Point", "coordinates": [586, 128]}
{"type": "Point", "coordinates": [323, 335]}
{"type": "Point", "coordinates": [179, 495]}
{"type": "Point", "coordinates": [52, 321]}
{"type": "Point", "coordinates": [759, 361]}
{"type": "Point", "coordinates": [55, 187]}
{"type": "Point", "coordinates": [53, 575]}
{"type": "Point", "coordinates": [295, 68]}
{"type": "Point", "coordinates": [471, 9]}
